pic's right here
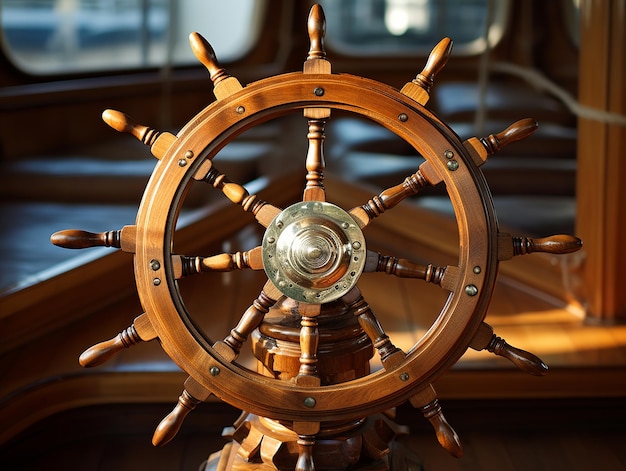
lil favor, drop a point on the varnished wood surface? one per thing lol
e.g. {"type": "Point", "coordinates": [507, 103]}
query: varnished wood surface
{"type": "Point", "coordinates": [600, 210]}
{"type": "Point", "coordinates": [417, 331]}
{"type": "Point", "coordinates": [478, 248]}
{"type": "Point", "coordinates": [585, 360]}
{"type": "Point", "coordinates": [43, 377]}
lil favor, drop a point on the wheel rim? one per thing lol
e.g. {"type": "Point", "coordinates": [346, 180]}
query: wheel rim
{"type": "Point", "coordinates": [215, 127]}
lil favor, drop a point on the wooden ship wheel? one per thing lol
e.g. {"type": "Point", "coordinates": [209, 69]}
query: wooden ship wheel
{"type": "Point", "coordinates": [313, 402]}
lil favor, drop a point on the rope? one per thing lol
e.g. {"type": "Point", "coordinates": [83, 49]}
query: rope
{"type": "Point", "coordinates": [540, 81]}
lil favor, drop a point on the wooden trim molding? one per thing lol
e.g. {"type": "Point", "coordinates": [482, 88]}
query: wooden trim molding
{"type": "Point", "coordinates": [601, 213]}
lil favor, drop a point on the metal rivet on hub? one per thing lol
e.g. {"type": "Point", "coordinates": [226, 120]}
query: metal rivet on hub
{"type": "Point", "coordinates": [404, 376]}
{"type": "Point", "coordinates": [403, 117]}
{"type": "Point", "coordinates": [182, 162]}
{"type": "Point", "coordinates": [214, 370]}
{"type": "Point", "coordinates": [156, 281]}
{"type": "Point", "coordinates": [309, 401]}
{"type": "Point", "coordinates": [452, 165]}
{"type": "Point", "coordinates": [240, 110]}
{"type": "Point", "coordinates": [319, 91]}
{"type": "Point", "coordinates": [189, 154]}
{"type": "Point", "coordinates": [448, 154]}
{"type": "Point", "coordinates": [471, 290]}
{"type": "Point", "coordinates": [477, 269]}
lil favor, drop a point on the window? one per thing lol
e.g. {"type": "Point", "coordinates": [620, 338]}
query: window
{"type": "Point", "coordinates": [360, 27]}
{"type": "Point", "coordinates": [61, 36]}
{"type": "Point", "coordinates": [572, 18]}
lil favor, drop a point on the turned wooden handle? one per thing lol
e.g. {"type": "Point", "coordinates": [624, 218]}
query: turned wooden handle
{"type": "Point", "coordinates": [78, 239]}
{"type": "Point", "coordinates": [515, 132]}
{"type": "Point", "coordinates": [205, 54]}
{"type": "Point", "coordinates": [524, 360]}
{"type": "Point", "coordinates": [158, 141]}
{"type": "Point", "coordinates": [426, 401]}
{"type": "Point", "coordinates": [446, 436]}
{"type": "Point", "coordinates": [170, 425]}
{"type": "Point", "coordinates": [305, 453]}
{"type": "Point", "coordinates": [103, 351]}
{"type": "Point", "coordinates": [316, 27]}
{"type": "Point", "coordinates": [123, 123]}
{"type": "Point", "coordinates": [485, 339]}
{"type": "Point", "coordinates": [100, 353]}
{"type": "Point", "coordinates": [509, 247]}
{"type": "Point", "coordinates": [223, 84]}
{"type": "Point", "coordinates": [419, 88]}
{"type": "Point", "coordinates": [437, 60]}
{"type": "Point", "coordinates": [556, 244]}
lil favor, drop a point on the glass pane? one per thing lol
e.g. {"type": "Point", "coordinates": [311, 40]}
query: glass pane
{"type": "Point", "coordinates": [409, 26]}
{"type": "Point", "coordinates": [61, 36]}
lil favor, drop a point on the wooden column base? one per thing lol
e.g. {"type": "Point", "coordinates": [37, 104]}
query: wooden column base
{"type": "Point", "coordinates": [262, 445]}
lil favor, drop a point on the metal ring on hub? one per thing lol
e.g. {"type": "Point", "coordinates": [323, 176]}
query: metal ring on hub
{"type": "Point", "coordinates": [313, 252]}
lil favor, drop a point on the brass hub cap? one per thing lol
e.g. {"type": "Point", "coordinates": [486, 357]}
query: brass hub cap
{"type": "Point", "coordinates": [313, 252]}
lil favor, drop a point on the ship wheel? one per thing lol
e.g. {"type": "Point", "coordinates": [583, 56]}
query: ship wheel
{"type": "Point", "coordinates": [313, 254]}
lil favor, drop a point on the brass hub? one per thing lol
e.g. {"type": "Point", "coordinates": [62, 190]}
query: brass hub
{"type": "Point", "coordinates": [313, 252]}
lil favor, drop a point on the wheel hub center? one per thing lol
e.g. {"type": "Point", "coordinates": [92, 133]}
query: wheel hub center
{"type": "Point", "coordinates": [313, 252]}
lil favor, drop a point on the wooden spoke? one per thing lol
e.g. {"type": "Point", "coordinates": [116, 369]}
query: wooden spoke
{"type": "Point", "coordinates": [316, 63]}
{"type": "Point", "coordinates": [419, 88]}
{"type": "Point", "coordinates": [223, 84]}
{"type": "Point", "coordinates": [509, 246]}
{"type": "Point", "coordinates": [426, 401]}
{"type": "Point", "coordinates": [404, 268]}
{"type": "Point", "coordinates": [158, 141]}
{"type": "Point", "coordinates": [309, 341]}
{"type": "Point", "coordinates": [389, 198]}
{"type": "Point", "coordinates": [481, 149]}
{"type": "Point", "coordinates": [485, 339]}
{"type": "Point", "coordinates": [76, 239]}
{"type": "Point", "coordinates": [263, 211]}
{"type": "Point", "coordinates": [231, 346]}
{"type": "Point", "coordinates": [306, 432]}
{"type": "Point", "coordinates": [390, 355]}
{"type": "Point", "coordinates": [184, 265]}
{"type": "Point", "coordinates": [316, 28]}
{"type": "Point", "coordinates": [305, 453]}
{"type": "Point", "coordinates": [192, 395]}
{"type": "Point", "coordinates": [315, 165]}
{"type": "Point", "coordinates": [140, 330]}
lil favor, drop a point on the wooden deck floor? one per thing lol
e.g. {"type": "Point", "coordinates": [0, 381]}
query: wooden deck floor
{"type": "Point", "coordinates": [498, 436]}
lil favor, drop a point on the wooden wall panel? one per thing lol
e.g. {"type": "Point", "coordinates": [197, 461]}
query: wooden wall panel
{"type": "Point", "coordinates": [601, 194]}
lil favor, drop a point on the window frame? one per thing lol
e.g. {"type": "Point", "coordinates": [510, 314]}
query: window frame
{"type": "Point", "coordinates": [496, 33]}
